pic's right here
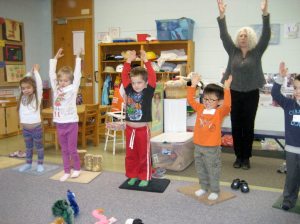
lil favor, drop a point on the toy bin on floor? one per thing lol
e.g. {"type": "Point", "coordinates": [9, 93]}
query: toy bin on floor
{"type": "Point", "coordinates": [173, 151]}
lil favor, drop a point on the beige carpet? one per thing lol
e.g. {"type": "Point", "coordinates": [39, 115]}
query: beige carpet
{"type": "Point", "coordinates": [190, 191]}
{"type": "Point", "coordinates": [84, 178]}
{"type": "Point", "coordinates": [6, 162]}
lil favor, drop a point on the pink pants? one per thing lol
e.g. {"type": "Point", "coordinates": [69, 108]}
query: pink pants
{"type": "Point", "coordinates": [138, 154]}
{"type": "Point", "coordinates": [67, 136]}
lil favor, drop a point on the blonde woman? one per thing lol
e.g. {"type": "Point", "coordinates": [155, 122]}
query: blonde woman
{"type": "Point", "coordinates": [245, 66]}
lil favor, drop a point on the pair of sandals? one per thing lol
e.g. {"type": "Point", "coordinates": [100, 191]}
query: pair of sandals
{"type": "Point", "coordinates": [240, 184]}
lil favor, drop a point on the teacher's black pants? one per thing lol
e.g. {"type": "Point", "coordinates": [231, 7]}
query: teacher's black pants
{"type": "Point", "coordinates": [243, 112]}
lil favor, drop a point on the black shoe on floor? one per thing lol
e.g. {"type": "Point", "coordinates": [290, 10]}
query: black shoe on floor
{"type": "Point", "coordinates": [244, 186]}
{"type": "Point", "coordinates": [237, 163]}
{"type": "Point", "coordinates": [286, 205]}
{"type": "Point", "coordinates": [246, 164]}
{"type": "Point", "coordinates": [235, 185]}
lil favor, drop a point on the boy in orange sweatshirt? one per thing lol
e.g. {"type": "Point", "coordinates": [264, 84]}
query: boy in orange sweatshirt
{"type": "Point", "coordinates": [207, 133]}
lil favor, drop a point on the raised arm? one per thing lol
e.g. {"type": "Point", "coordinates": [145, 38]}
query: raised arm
{"type": "Point", "coordinates": [52, 68]}
{"type": "Point", "coordinates": [266, 30]}
{"type": "Point", "coordinates": [150, 70]}
{"type": "Point", "coordinates": [127, 68]}
{"type": "Point", "coordinates": [224, 35]}
{"type": "Point", "coordinates": [276, 93]}
{"type": "Point", "coordinates": [38, 81]}
{"type": "Point", "coordinates": [227, 98]}
{"type": "Point", "coordinates": [191, 90]}
{"type": "Point", "coordinates": [77, 70]}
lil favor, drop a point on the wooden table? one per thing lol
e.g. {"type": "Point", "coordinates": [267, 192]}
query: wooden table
{"type": "Point", "coordinates": [48, 113]}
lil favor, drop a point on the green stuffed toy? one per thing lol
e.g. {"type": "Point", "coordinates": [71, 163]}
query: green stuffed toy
{"type": "Point", "coordinates": [61, 208]}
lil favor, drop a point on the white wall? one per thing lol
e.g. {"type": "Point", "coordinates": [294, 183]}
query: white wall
{"type": "Point", "coordinates": [36, 16]}
{"type": "Point", "coordinates": [138, 16]}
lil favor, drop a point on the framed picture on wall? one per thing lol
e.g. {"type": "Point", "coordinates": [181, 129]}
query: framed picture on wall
{"type": "Point", "coordinates": [14, 73]}
{"type": "Point", "coordinates": [12, 30]}
{"type": "Point", "coordinates": [13, 52]}
{"type": "Point", "coordinates": [275, 33]}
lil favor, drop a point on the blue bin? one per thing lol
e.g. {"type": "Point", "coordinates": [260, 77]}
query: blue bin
{"type": "Point", "coordinates": [175, 29]}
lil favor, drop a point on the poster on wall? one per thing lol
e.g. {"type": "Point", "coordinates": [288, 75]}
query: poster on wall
{"type": "Point", "coordinates": [12, 30]}
{"type": "Point", "coordinates": [157, 110]}
{"type": "Point", "coordinates": [13, 52]}
{"type": "Point", "coordinates": [275, 32]}
{"type": "Point", "coordinates": [14, 73]}
{"type": "Point", "coordinates": [78, 42]}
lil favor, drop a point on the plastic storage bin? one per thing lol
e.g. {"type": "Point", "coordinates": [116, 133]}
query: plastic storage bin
{"type": "Point", "coordinates": [173, 151]}
{"type": "Point", "coordinates": [175, 29]}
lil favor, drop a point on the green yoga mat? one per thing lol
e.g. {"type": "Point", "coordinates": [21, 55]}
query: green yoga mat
{"type": "Point", "coordinates": [278, 203]}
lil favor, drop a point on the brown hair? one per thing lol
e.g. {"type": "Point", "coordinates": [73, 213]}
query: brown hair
{"type": "Point", "coordinates": [139, 71]}
{"type": "Point", "coordinates": [30, 81]}
{"type": "Point", "coordinates": [66, 70]}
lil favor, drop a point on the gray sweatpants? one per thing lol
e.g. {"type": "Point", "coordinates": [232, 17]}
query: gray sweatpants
{"type": "Point", "coordinates": [208, 166]}
{"type": "Point", "coordinates": [292, 179]}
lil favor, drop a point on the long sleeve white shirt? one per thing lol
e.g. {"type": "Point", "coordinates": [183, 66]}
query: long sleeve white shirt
{"type": "Point", "coordinates": [64, 99]}
{"type": "Point", "coordinates": [29, 114]}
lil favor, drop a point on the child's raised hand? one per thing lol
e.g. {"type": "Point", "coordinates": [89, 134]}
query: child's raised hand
{"type": "Point", "coordinates": [195, 79]}
{"type": "Point", "coordinates": [36, 68]}
{"type": "Point", "coordinates": [143, 56]}
{"type": "Point", "coordinates": [227, 82]}
{"type": "Point", "coordinates": [131, 56]}
{"type": "Point", "coordinates": [79, 53]}
{"type": "Point", "coordinates": [282, 69]}
{"type": "Point", "coordinates": [59, 54]}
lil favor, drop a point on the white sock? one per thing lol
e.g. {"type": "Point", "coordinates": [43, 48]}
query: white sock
{"type": "Point", "coordinates": [64, 177]}
{"type": "Point", "coordinates": [213, 196]}
{"type": "Point", "coordinates": [200, 192]}
{"type": "Point", "coordinates": [75, 174]}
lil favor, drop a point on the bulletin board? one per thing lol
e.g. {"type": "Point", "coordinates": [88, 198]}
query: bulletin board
{"type": "Point", "coordinates": [12, 55]}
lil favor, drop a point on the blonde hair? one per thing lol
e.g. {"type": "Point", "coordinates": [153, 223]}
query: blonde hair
{"type": "Point", "coordinates": [65, 70]}
{"type": "Point", "coordinates": [30, 81]}
{"type": "Point", "coordinates": [252, 37]}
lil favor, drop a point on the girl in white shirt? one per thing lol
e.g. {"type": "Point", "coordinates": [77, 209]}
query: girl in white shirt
{"type": "Point", "coordinates": [29, 112]}
{"type": "Point", "coordinates": [65, 85]}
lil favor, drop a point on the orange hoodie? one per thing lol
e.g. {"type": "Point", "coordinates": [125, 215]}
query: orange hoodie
{"type": "Point", "coordinates": [207, 131]}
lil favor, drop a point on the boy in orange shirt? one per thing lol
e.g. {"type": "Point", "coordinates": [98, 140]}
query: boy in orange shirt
{"type": "Point", "coordinates": [207, 133]}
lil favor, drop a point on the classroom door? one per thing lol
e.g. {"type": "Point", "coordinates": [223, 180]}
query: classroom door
{"type": "Point", "coordinates": [69, 16]}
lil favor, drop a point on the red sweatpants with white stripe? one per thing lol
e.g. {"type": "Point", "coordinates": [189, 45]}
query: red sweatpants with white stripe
{"type": "Point", "coordinates": [138, 154]}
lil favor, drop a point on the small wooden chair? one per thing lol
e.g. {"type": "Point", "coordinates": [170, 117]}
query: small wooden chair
{"type": "Point", "coordinates": [88, 128]}
{"type": "Point", "coordinates": [49, 128]}
{"type": "Point", "coordinates": [103, 119]}
{"type": "Point", "coordinates": [116, 123]}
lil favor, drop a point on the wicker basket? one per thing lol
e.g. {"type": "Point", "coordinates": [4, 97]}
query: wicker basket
{"type": "Point", "coordinates": [175, 92]}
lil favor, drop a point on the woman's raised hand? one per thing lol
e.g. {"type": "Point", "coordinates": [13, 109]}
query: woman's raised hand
{"type": "Point", "coordinates": [222, 8]}
{"type": "Point", "coordinates": [264, 7]}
